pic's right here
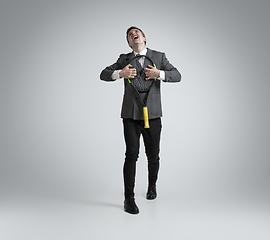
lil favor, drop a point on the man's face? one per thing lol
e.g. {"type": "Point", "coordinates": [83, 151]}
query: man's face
{"type": "Point", "coordinates": [135, 36]}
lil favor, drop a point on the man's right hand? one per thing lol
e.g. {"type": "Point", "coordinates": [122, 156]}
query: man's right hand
{"type": "Point", "coordinates": [128, 72]}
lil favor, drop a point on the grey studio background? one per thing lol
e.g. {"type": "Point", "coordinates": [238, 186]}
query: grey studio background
{"type": "Point", "coordinates": [62, 146]}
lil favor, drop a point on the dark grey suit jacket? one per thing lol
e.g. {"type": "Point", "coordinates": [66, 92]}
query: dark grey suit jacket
{"type": "Point", "coordinates": [132, 106]}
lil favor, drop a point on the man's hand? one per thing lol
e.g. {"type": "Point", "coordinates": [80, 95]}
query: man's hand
{"type": "Point", "coordinates": [128, 72]}
{"type": "Point", "coordinates": [151, 72]}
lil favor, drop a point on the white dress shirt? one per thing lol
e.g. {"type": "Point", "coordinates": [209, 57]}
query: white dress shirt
{"type": "Point", "coordinates": [115, 74]}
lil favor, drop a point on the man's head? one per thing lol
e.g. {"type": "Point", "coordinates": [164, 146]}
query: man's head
{"type": "Point", "coordinates": [135, 36]}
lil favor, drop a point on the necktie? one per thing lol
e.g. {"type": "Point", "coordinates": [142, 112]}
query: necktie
{"type": "Point", "coordinates": [138, 63]}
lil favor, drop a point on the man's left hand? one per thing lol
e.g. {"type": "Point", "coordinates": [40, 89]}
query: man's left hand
{"type": "Point", "coordinates": [151, 72]}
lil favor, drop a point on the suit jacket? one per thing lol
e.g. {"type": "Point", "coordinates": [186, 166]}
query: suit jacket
{"type": "Point", "coordinates": [132, 106]}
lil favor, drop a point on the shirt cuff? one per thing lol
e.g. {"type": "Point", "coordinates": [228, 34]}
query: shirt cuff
{"type": "Point", "coordinates": [115, 74]}
{"type": "Point", "coordinates": [161, 75]}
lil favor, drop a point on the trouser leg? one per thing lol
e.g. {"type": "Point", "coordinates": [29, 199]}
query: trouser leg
{"type": "Point", "coordinates": [132, 140]}
{"type": "Point", "coordinates": [151, 137]}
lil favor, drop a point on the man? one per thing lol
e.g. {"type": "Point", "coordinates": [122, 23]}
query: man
{"type": "Point", "coordinates": [132, 109]}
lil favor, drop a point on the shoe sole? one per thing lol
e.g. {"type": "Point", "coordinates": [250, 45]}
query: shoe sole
{"type": "Point", "coordinates": [131, 212]}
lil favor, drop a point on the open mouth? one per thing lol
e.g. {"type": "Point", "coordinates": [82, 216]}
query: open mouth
{"type": "Point", "coordinates": [136, 37]}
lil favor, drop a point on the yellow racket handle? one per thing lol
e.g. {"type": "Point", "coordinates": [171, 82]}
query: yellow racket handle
{"type": "Point", "coordinates": [145, 115]}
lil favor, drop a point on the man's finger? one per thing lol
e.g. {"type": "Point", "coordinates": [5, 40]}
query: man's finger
{"type": "Point", "coordinates": [128, 66]}
{"type": "Point", "coordinates": [133, 74]}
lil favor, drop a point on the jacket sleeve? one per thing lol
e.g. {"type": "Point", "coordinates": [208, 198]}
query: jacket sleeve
{"type": "Point", "coordinates": [171, 73]}
{"type": "Point", "coordinates": [106, 74]}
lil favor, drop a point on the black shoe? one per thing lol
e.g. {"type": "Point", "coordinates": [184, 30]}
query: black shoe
{"type": "Point", "coordinates": [130, 206]}
{"type": "Point", "coordinates": [151, 192]}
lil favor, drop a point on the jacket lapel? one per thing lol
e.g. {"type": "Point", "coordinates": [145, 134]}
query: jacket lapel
{"type": "Point", "coordinates": [146, 61]}
{"type": "Point", "coordinates": [128, 58]}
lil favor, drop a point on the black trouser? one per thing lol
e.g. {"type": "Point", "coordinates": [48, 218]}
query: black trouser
{"type": "Point", "coordinates": [133, 129]}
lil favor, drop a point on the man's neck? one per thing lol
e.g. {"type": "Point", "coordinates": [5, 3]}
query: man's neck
{"type": "Point", "coordinates": [138, 48]}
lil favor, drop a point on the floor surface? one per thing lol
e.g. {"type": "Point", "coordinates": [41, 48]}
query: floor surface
{"type": "Point", "coordinates": [98, 217]}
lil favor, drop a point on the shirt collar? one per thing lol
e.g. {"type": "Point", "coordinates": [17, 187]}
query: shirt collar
{"type": "Point", "coordinates": [143, 52]}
